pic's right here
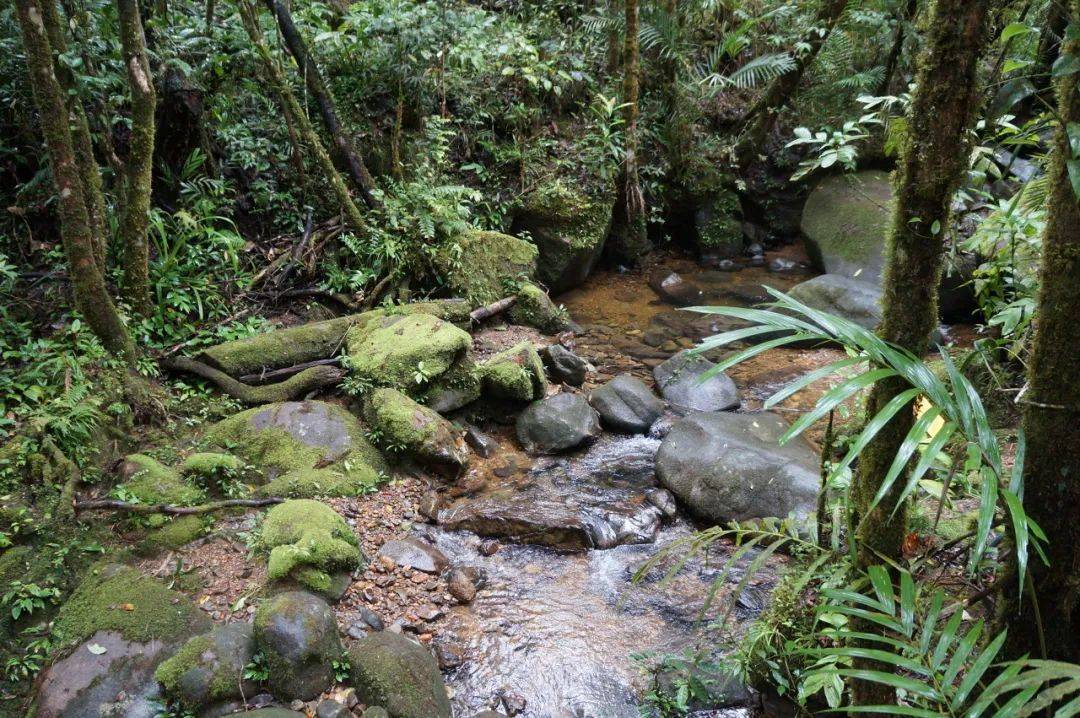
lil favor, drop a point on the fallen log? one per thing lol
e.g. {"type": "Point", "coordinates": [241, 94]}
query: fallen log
{"type": "Point", "coordinates": [299, 385]}
{"type": "Point", "coordinates": [482, 313]}
{"type": "Point", "coordinates": [114, 505]}
{"type": "Point", "coordinates": [262, 377]}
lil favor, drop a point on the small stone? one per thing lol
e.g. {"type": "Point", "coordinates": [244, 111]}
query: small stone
{"type": "Point", "coordinates": [481, 443]}
{"type": "Point", "coordinates": [461, 586]}
{"type": "Point", "coordinates": [755, 249]}
{"type": "Point", "coordinates": [332, 709]}
{"type": "Point", "coordinates": [371, 618]}
{"type": "Point", "coordinates": [663, 500]}
{"type": "Point", "coordinates": [727, 265]}
{"type": "Point", "coordinates": [781, 265]}
{"type": "Point", "coordinates": [415, 554]}
{"type": "Point", "coordinates": [489, 547]}
{"type": "Point", "coordinates": [563, 365]}
{"type": "Point", "coordinates": [448, 656]}
{"type": "Point", "coordinates": [514, 703]}
{"type": "Point", "coordinates": [357, 630]}
{"type": "Point", "coordinates": [429, 505]}
{"type": "Point", "coordinates": [428, 613]}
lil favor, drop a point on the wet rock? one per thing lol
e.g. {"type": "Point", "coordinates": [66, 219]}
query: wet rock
{"type": "Point", "coordinates": [682, 383]}
{"type": "Point", "coordinates": [521, 519]}
{"type": "Point", "coordinates": [851, 299]}
{"type": "Point", "coordinates": [663, 500]}
{"type": "Point", "coordinates": [516, 374]}
{"type": "Point", "coordinates": [460, 585]}
{"type": "Point", "coordinates": [563, 365]}
{"type": "Point", "coordinates": [311, 545]}
{"type": "Point", "coordinates": [391, 671]}
{"type": "Point", "coordinates": [755, 249]}
{"type": "Point", "coordinates": [727, 265]}
{"type": "Point", "coordinates": [727, 466]}
{"type": "Point", "coordinates": [559, 423]}
{"type": "Point", "coordinates": [415, 554]}
{"type": "Point", "coordinates": [449, 656]}
{"type": "Point", "coordinates": [481, 443]}
{"type": "Point", "coordinates": [626, 404]}
{"type": "Point", "coordinates": [298, 636]}
{"type": "Point", "coordinates": [513, 702]}
{"type": "Point", "coordinates": [490, 547]}
{"type": "Point", "coordinates": [422, 433]}
{"type": "Point", "coordinates": [209, 669]}
{"type": "Point", "coordinates": [758, 260]}
{"type": "Point", "coordinates": [673, 289]}
{"type": "Point", "coordinates": [332, 709]}
{"type": "Point", "coordinates": [780, 265]}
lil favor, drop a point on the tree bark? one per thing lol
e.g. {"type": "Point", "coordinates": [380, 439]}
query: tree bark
{"type": "Point", "coordinates": [361, 178]}
{"type": "Point", "coordinates": [897, 49]}
{"type": "Point", "coordinates": [1053, 30]}
{"type": "Point", "coordinates": [91, 297]}
{"type": "Point", "coordinates": [1051, 412]}
{"type": "Point", "coordinates": [933, 160]}
{"type": "Point", "coordinates": [138, 170]}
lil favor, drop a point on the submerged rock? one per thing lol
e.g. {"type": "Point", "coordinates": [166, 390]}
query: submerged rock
{"type": "Point", "coordinates": [209, 669]}
{"type": "Point", "coordinates": [559, 423]}
{"type": "Point", "coordinates": [682, 382]}
{"type": "Point", "coordinates": [311, 545]}
{"type": "Point", "coordinates": [298, 636]}
{"type": "Point", "coordinates": [415, 429]}
{"type": "Point", "coordinates": [524, 519]}
{"type": "Point", "coordinates": [391, 671]}
{"type": "Point", "coordinates": [727, 466]}
{"type": "Point", "coordinates": [563, 365]}
{"type": "Point", "coordinates": [517, 374]}
{"type": "Point", "coordinates": [478, 265]}
{"type": "Point", "coordinates": [673, 289]}
{"type": "Point", "coordinates": [626, 404]}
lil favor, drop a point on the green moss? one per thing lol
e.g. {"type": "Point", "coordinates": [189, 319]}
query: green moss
{"type": "Point", "coordinates": [845, 220]}
{"type": "Point", "coordinates": [122, 599]}
{"type": "Point", "coordinates": [308, 541]}
{"type": "Point", "coordinates": [482, 267]}
{"type": "Point", "coordinates": [534, 308]}
{"type": "Point", "coordinates": [313, 483]}
{"type": "Point", "coordinates": [173, 534]}
{"type": "Point", "coordinates": [722, 230]}
{"type": "Point", "coordinates": [408, 426]}
{"type": "Point", "coordinates": [169, 673]}
{"type": "Point", "coordinates": [517, 373]}
{"type": "Point", "coordinates": [459, 385]}
{"type": "Point", "coordinates": [405, 352]}
{"type": "Point", "coordinates": [153, 483]}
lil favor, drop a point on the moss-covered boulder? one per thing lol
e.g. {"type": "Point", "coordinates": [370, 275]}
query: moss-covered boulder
{"type": "Point", "coordinates": [482, 267]}
{"type": "Point", "coordinates": [151, 482]}
{"type": "Point", "coordinates": [298, 636]}
{"type": "Point", "coordinates": [845, 220]}
{"type": "Point", "coordinates": [295, 437]}
{"type": "Point", "coordinates": [321, 483]}
{"type": "Point", "coordinates": [568, 228]}
{"type": "Point", "coordinates": [517, 374]}
{"type": "Point", "coordinates": [173, 533]}
{"type": "Point", "coordinates": [309, 544]}
{"type": "Point", "coordinates": [534, 308]}
{"type": "Point", "coordinates": [209, 669]}
{"type": "Point", "coordinates": [391, 671]}
{"type": "Point", "coordinates": [415, 429]}
{"type": "Point", "coordinates": [457, 387]}
{"type": "Point", "coordinates": [409, 353]}
{"type": "Point", "coordinates": [718, 228]}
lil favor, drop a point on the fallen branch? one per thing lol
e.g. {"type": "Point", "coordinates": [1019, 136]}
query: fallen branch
{"type": "Point", "coordinates": [308, 380]}
{"type": "Point", "coordinates": [482, 313]}
{"type": "Point", "coordinates": [114, 505]}
{"type": "Point", "coordinates": [288, 371]}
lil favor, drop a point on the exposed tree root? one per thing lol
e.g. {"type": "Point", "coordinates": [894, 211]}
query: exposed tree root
{"type": "Point", "coordinates": [308, 380]}
{"type": "Point", "coordinates": [113, 505]}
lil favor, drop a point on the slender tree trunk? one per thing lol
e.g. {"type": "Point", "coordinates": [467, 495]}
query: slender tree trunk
{"type": "Point", "coordinates": [612, 38]}
{"type": "Point", "coordinates": [395, 136]}
{"type": "Point", "coordinates": [1053, 30]}
{"type": "Point", "coordinates": [298, 49]}
{"type": "Point", "coordinates": [138, 171]}
{"type": "Point", "coordinates": [893, 60]}
{"type": "Point", "coordinates": [88, 282]}
{"type": "Point", "coordinates": [762, 114]}
{"type": "Point", "coordinates": [311, 138]}
{"type": "Point", "coordinates": [627, 240]}
{"type": "Point", "coordinates": [933, 161]}
{"type": "Point", "coordinates": [1051, 412]}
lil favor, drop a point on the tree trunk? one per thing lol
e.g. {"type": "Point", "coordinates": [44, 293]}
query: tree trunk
{"type": "Point", "coordinates": [897, 49]}
{"type": "Point", "coordinates": [138, 170]}
{"type": "Point", "coordinates": [627, 240]}
{"type": "Point", "coordinates": [295, 44]}
{"type": "Point", "coordinates": [1051, 411]}
{"type": "Point", "coordinates": [1053, 30]}
{"type": "Point", "coordinates": [933, 161]}
{"type": "Point", "coordinates": [352, 215]}
{"type": "Point", "coordinates": [88, 282]}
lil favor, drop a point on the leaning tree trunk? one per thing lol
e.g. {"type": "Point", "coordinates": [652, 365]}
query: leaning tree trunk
{"type": "Point", "coordinates": [627, 240]}
{"type": "Point", "coordinates": [297, 48]}
{"type": "Point", "coordinates": [905, 17]}
{"type": "Point", "coordinates": [88, 282]}
{"type": "Point", "coordinates": [1051, 412]}
{"type": "Point", "coordinates": [138, 171]}
{"type": "Point", "coordinates": [933, 160]}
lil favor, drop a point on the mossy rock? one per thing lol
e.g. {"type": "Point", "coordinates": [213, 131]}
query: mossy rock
{"type": "Point", "coordinates": [151, 482]}
{"type": "Point", "coordinates": [315, 483]}
{"type": "Point", "coordinates": [845, 220]}
{"type": "Point", "coordinates": [408, 353]}
{"type": "Point", "coordinates": [298, 636]}
{"type": "Point", "coordinates": [209, 669]}
{"type": "Point", "coordinates": [308, 543]}
{"type": "Point", "coordinates": [459, 386]}
{"type": "Point", "coordinates": [415, 429]}
{"type": "Point", "coordinates": [391, 671]}
{"type": "Point", "coordinates": [482, 267]}
{"type": "Point", "coordinates": [517, 373]}
{"type": "Point", "coordinates": [210, 465]}
{"type": "Point", "coordinates": [534, 308]}
{"type": "Point", "coordinates": [298, 436]}
{"type": "Point", "coordinates": [719, 230]}
{"type": "Point", "coordinates": [123, 599]}
{"type": "Point", "coordinates": [173, 534]}
{"type": "Point", "coordinates": [568, 228]}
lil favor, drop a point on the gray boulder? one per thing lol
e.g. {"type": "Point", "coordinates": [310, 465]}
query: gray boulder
{"type": "Point", "coordinates": [297, 634]}
{"type": "Point", "coordinates": [209, 669]}
{"type": "Point", "coordinates": [626, 404]}
{"type": "Point", "coordinates": [415, 554]}
{"type": "Point", "coordinates": [559, 423]}
{"type": "Point", "coordinates": [727, 466]}
{"type": "Point", "coordinates": [563, 365]}
{"type": "Point", "coordinates": [845, 220]}
{"type": "Point", "coordinates": [681, 382]}
{"type": "Point", "coordinates": [391, 671]}
{"type": "Point", "coordinates": [836, 294]}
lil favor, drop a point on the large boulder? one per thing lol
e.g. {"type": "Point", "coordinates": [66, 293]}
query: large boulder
{"type": "Point", "coordinates": [845, 220]}
{"type": "Point", "coordinates": [568, 228]}
{"type": "Point", "coordinates": [209, 669]}
{"type": "Point", "coordinates": [517, 374]}
{"type": "Point", "coordinates": [415, 429]}
{"type": "Point", "coordinates": [559, 423]}
{"type": "Point", "coordinates": [534, 308]}
{"type": "Point", "coordinates": [626, 404]}
{"type": "Point", "coordinates": [836, 294]}
{"type": "Point", "coordinates": [303, 448]}
{"type": "Point", "coordinates": [408, 352]}
{"type": "Point", "coordinates": [563, 365]}
{"type": "Point", "coordinates": [298, 636]}
{"type": "Point", "coordinates": [391, 671]}
{"type": "Point", "coordinates": [483, 266]}
{"type": "Point", "coordinates": [311, 545]}
{"type": "Point", "coordinates": [684, 383]}
{"type": "Point", "coordinates": [725, 466]}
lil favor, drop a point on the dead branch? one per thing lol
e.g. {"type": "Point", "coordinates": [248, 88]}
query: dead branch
{"type": "Point", "coordinates": [287, 371]}
{"type": "Point", "coordinates": [482, 313]}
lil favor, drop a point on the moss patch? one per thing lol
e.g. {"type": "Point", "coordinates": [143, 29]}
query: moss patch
{"type": "Point", "coordinates": [209, 669]}
{"type": "Point", "coordinates": [313, 483]}
{"type": "Point", "coordinates": [534, 308]}
{"type": "Point", "coordinates": [517, 373]}
{"type": "Point", "coordinates": [407, 426]}
{"type": "Point", "coordinates": [482, 267]}
{"type": "Point", "coordinates": [405, 352]}
{"type": "Point", "coordinates": [308, 541]}
{"type": "Point", "coordinates": [153, 483]}
{"type": "Point", "coordinates": [177, 532]}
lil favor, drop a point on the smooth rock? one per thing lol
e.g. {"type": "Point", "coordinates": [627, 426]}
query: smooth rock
{"type": "Point", "coordinates": [415, 554]}
{"type": "Point", "coordinates": [845, 220]}
{"type": "Point", "coordinates": [673, 289]}
{"type": "Point", "coordinates": [460, 585]}
{"type": "Point", "coordinates": [558, 423]}
{"type": "Point", "coordinates": [209, 669]}
{"type": "Point", "coordinates": [626, 404]}
{"type": "Point", "coordinates": [332, 709]}
{"type": "Point", "coordinates": [851, 299]}
{"type": "Point", "coordinates": [390, 670]}
{"type": "Point", "coordinates": [682, 383]}
{"type": "Point", "coordinates": [297, 634]}
{"type": "Point", "coordinates": [481, 443]}
{"type": "Point", "coordinates": [663, 500]}
{"type": "Point", "coordinates": [563, 365]}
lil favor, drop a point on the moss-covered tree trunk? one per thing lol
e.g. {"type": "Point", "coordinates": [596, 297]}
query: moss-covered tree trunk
{"type": "Point", "coordinates": [627, 240]}
{"type": "Point", "coordinates": [934, 158]}
{"type": "Point", "coordinates": [1051, 413]}
{"type": "Point", "coordinates": [1053, 30]}
{"type": "Point", "coordinates": [353, 218]}
{"type": "Point", "coordinates": [138, 170]}
{"type": "Point", "coordinates": [87, 279]}
{"type": "Point", "coordinates": [892, 61]}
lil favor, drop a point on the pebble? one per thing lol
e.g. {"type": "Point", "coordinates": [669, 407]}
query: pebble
{"type": "Point", "coordinates": [489, 547]}
{"type": "Point", "coordinates": [461, 586]}
{"type": "Point", "coordinates": [372, 619]}
{"type": "Point", "coordinates": [449, 656]}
